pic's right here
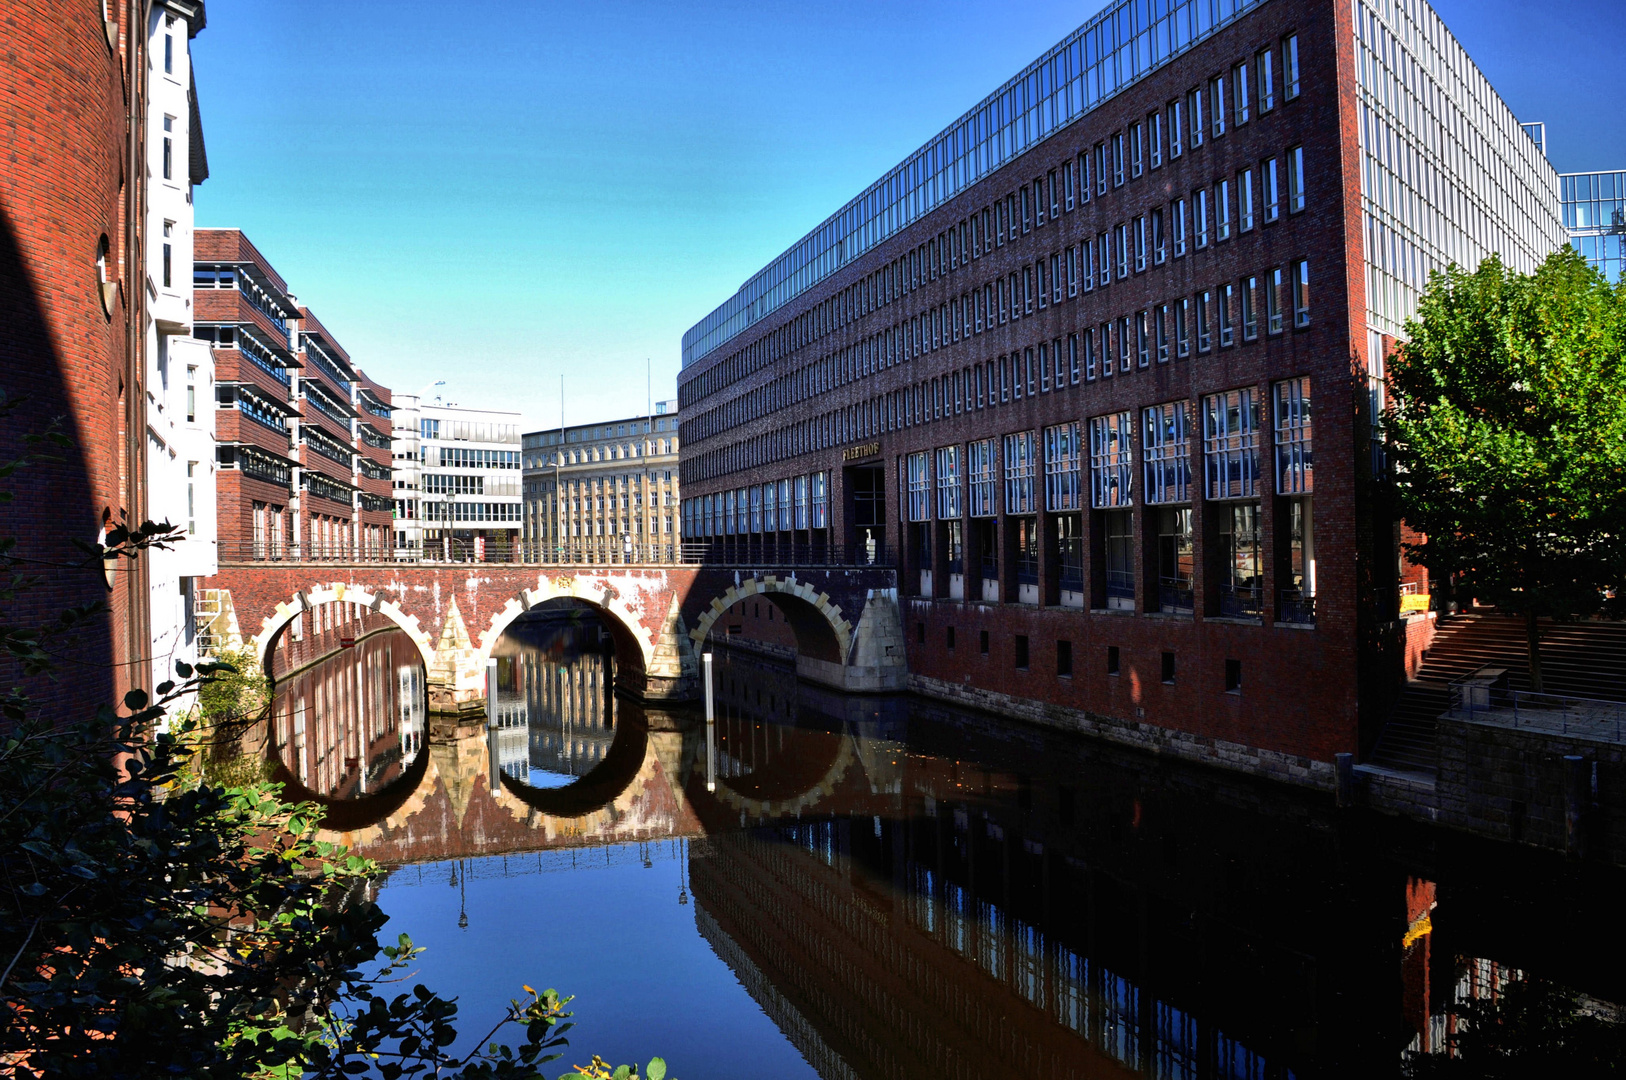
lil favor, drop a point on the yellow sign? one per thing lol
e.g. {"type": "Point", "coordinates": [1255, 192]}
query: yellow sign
{"type": "Point", "coordinates": [1413, 602]}
{"type": "Point", "coordinates": [853, 453]}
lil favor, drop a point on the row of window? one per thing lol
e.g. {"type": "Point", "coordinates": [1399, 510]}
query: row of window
{"type": "Point", "coordinates": [1122, 345]}
{"type": "Point", "coordinates": [470, 511]}
{"type": "Point", "coordinates": [965, 478]}
{"type": "Point", "coordinates": [1129, 247]}
{"type": "Point", "coordinates": [797, 502]}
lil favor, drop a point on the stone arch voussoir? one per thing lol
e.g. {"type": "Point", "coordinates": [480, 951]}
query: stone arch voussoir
{"type": "Point", "coordinates": [309, 599]}
{"type": "Point", "coordinates": [572, 587]}
{"type": "Point", "coordinates": [769, 584]}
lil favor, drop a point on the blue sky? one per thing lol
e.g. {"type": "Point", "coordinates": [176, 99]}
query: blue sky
{"type": "Point", "coordinates": [498, 194]}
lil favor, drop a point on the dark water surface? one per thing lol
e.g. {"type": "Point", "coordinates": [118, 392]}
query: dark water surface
{"type": "Point", "coordinates": [880, 887]}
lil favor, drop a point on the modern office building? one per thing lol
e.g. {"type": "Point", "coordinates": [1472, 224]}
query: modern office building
{"type": "Point", "coordinates": [1595, 215]}
{"type": "Point", "coordinates": [1099, 367]}
{"type": "Point", "coordinates": [301, 443]}
{"type": "Point", "coordinates": [180, 461]}
{"type": "Point", "coordinates": [457, 484]}
{"type": "Point", "coordinates": [604, 492]}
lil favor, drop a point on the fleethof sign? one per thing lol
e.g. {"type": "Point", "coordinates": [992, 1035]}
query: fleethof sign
{"type": "Point", "coordinates": [863, 450]}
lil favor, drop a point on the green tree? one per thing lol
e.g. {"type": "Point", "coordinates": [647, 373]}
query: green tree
{"type": "Point", "coordinates": [1507, 425]}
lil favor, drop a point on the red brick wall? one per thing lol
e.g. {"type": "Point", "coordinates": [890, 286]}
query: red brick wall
{"type": "Point", "coordinates": [66, 181]}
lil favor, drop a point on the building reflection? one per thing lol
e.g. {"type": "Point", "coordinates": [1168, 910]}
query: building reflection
{"type": "Point", "coordinates": [557, 673]}
{"type": "Point", "coordinates": [347, 723]}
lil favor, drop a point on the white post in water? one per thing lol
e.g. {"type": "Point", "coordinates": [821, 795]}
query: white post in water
{"type": "Point", "coordinates": [494, 765]}
{"type": "Point", "coordinates": [491, 692]}
{"type": "Point", "coordinates": [711, 726]}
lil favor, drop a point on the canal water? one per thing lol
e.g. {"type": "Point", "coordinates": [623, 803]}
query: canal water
{"type": "Point", "coordinates": [865, 887]}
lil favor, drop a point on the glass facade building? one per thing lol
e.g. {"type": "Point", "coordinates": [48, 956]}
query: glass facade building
{"type": "Point", "coordinates": [1595, 216]}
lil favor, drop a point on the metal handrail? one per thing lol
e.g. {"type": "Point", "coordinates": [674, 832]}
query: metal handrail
{"type": "Point", "coordinates": [1478, 698]}
{"type": "Point", "coordinates": [1297, 606]}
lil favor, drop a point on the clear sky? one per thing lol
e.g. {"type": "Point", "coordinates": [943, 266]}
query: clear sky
{"type": "Point", "coordinates": [500, 193]}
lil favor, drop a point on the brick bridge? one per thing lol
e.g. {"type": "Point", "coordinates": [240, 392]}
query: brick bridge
{"type": "Point", "coordinates": [845, 619]}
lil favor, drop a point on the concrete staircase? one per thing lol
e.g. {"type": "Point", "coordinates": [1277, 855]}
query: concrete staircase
{"type": "Point", "coordinates": [1585, 659]}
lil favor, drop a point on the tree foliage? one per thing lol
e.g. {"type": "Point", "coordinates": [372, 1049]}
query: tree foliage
{"type": "Point", "coordinates": [1530, 1030]}
{"type": "Point", "coordinates": [1507, 424]}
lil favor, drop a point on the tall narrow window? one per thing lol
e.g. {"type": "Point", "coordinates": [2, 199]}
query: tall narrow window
{"type": "Point", "coordinates": [980, 473]}
{"type": "Point", "coordinates": [1244, 199]}
{"type": "Point", "coordinates": [1123, 251]}
{"type": "Point", "coordinates": [1039, 203]}
{"type": "Point", "coordinates": [1177, 128]}
{"type": "Point", "coordinates": [1160, 332]}
{"type": "Point", "coordinates": [1160, 242]}
{"type": "Point", "coordinates": [1107, 366]}
{"type": "Point", "coordinates": [1143, 335]}
{"type": "Point", "coordinates": [1199, 213]}
{"type": "Point", "coordinates": [1301, 293]}
{"type": "Point", "coordinates": [1227, 312]}
{"type": "Point", "coordinates": [1068, 197]}
{"type": "Point", "coordinates": [1062, 484]}
{"type": "Point", "coordinates": [169, 53]}
{"type": "Point", "coordinates": [1126, 344]}
{"type": "Point", "coordinates": [1072, 269]}
{"type": "Point", "coordinates": [1273, 192]}
{"type": "Point", "coordinates": [1136, 153]}
{"type": "Point", "coordinates": [1166, 452]}
{"type": "Point", "coordinates": [1231, 444]}
{"type": "Point", "coordinates": [1267, 82]}
{"type": "Point", "coordinates": [1019, 468]}
{"type": "Point", "coordinates": [1118, 159]}
{"type": "Point", "coordinates": [920, 487]}
{"type": "Point", "coordinates": [1104, 258]}
{"type": "Point", "coordinates": [1204, 337]}
{"type": "Point", "coordinates": [1216, 94]}
{"type": "Point", "coordinates": [1072, 358]}
{"type": "Point", "coordinates": [1273, 301]}
{"type": "Point", "coordinates": [1140, 244]}
{"type": "Point", "coordinates": [168, 253]}
{"type": "Point", "coordinates": [948, 483]}
{"type": "Point", "coordinates": [1101, 168]}
{"type": "Point", "coordinates": [1154, 138]}
{"type": "Point", "coordinates": [1222, 210]}
{"type": "Point", "coordinates": [1054, 191]}
{"type": "Point", "coordinates": [191, 394]}
{"type": "Point", "coordinates": [1083, 177]}
{"type": "Point", "coordinates": [1027, 211]}
{"type": "Point", "coordinates": [1295, 180]}
{"type": "Point", "coordinates": [1111, 460]}
{"type": "Point", "coordinates": [169, 148]}
{"type": "Point", "coordinates": [1199, 121]}
{"type": "Point", "coordinates": [1239, 92]}
{"type": "Point", "coordinates": [1250, 310]}
{"type": "Point", "coordinates": [1182, 327]}
{"type": "Point", "coordinates": [1177, 223]}
{"type": "Point", "coordinates": [1295, 463]}
{"type": "Point", "coordinates": [1290, 67]}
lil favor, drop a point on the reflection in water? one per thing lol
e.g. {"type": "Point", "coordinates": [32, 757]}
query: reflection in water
{"type": "Point", "coordinates": [884, 887]}
{"type": "Point", "coordinates": [348, 725]}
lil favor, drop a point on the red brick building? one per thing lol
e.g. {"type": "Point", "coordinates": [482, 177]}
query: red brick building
{"type": "Point", "coordinates": [1099, 369]}
{"type": "Point", "coordinates": [72, 316]}
{"type": "Point", "coordinates": [303, 434]}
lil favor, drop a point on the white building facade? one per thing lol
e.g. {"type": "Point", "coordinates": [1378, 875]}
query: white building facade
{"type": "Point", "coordinates": [180, 408]}
{"type": "Point", "coordinates": [456, 481]}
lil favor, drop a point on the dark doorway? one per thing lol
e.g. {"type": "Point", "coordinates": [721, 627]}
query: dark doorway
{"type": "Point", "coordinates": [867, 485]}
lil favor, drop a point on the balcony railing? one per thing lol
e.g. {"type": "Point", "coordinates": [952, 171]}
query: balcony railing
{"type": "Point", "coordinates": [1239, 601]}
{"type": "Point", "coordinates": [1120, 585]}
{"type": "Point", "coordinates": [1175, 594]}
{"type": "Point", "coordinates": [1297, 606]}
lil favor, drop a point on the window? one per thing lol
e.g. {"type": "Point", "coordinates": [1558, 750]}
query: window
{"type": "Point", "coordinates": [1216, 94]}
{"type": "Point", "coordinates": [920, 487]}
{"type": "Point", "coordinates": [948, 483]}
{"type": "Point", "coordinates": [1204, 339]}
{"type": "Point", "coordinates": [1222, 210]}
{"type": "Point", "coordinates": [1021, 652]}
{"type": "Point", "coordinates": [1103, 251]}
{"type": "Point", "coordinates": [1123, 251]}
{"type": "Point", "coordinates": [980, 470]}
{"type": "Point", "coordinates": [1273, 197]}
{"type": "Point", "coordinates": [1072, 257]}
{"type": "Point", "coordinates": [1160, 243]}
{"type": "Point", "coordinates": [1301, 293]}
{"type": "Point", "coordinates": [1250, 309]}
{"type": "Point", "coordinates": [169, 54]}
{"type": "Point", "coordinates": [1089, 355]}
{"type": "Point", "coordinates": [1233, 676]}
{"type": "Point", "coordinates": [1244, 199]}
{"type": "Point", "coordinates": [1182, 327]}
{"type": "Point", "coordinates": [1143, 339]}
{"type": "Point", "coordinates": [1295, 180]}
{"type": "Point", "coordinates": [1295, 473]}
{"type": "Point", "coordinates": [1177, 223]}
{"type": "Point", "coordinates": [1019, 455]}
{"type": "Point", "coordinates": [1168, 668]}
{"type": "Point", "coordinates": [1101, 168]}
{"type": "Point", "coordinates": [1199, 210]}
{"type": "Point", "coordinates": [169, 148]}
{"type": "Point", "coordinates": [1136, 159]}
{"type": "Point", "coordinates": [1068, 196]}
{"type": "Point", "coordinates": [1160, 332]}
{"type": "Point", "coordinates": [1072, 361]}
{"type": "Point", "coordinates": [1027, 211]}
{"type": "Point", "coordinates": [1054, 190]}
{"type": "Point", "coordinates": [1166, 452]}
{"type": "Point", "coordinates": [1199, 125]}
{"type": "Point", "coordinates": [1273, 301]}
{"type": "Point", "coordinates": [1154, 137]}
{"type": "Point", "coordinates": [1064, 659]}
{"type": "Point", "coordinates": [1062, 468]}
{"type": "Point", "coordinates": [168, 252]}
{"type": "Point", "coordinates": [1118, 160]}
{"type": "Point", "coordinates": [1239, 559]}
{"type": "Point", "coordinates": [191, 394]}
{"type": "Point", "coordinates": [1230, 444]}
{"type": "Point", "coordinates": [1106, 350]}
{"type": "Point", "coordinates": [1125, 345]}
{"type": "Point", "coordinates": [1239, 92]}
{"type": "Point", "coordinates": [1290, 67]}
{"type": "Point", "coordinates": [982, 642]}
{"type": "Point", "coordinates": [1227, 310]}
{"type": "Point", "coordinates": [191, 499]}
{"type": "Point", "coordinates": [1110, 461]}
{"type": "Point", "coordinates": [1267, 82]}
{"type": "Point", "coordinates": [1112, 659]}
{"type": "Point", "coordinates": [1083, 177]}
{"type": "Point", "coordinates": [1140, 244]}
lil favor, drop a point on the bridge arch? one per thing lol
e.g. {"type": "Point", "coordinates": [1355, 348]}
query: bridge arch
{"type": "Point", "coordinates": [822, 631]}
{"type": "Point", "coordinates": [634, 644]}
{"type": "Point", "coordinates": [336, 592]}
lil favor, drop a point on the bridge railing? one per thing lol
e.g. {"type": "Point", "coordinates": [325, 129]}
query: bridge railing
{"type": "Point", "coordinates": [741, 551]}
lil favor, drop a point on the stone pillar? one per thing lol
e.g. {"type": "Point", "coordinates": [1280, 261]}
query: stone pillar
{"type": "Point", "coordinates": [456, 680]}
{"type": "Point", "coordinates": [877, 661]}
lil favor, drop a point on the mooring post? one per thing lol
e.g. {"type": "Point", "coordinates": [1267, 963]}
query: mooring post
{"type": "Point", "coordinates": [1344, 764]}
{"type": "Point", "coordinates": [491, 692]}
{"type": "Point", "coordinates": [711, 726]}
